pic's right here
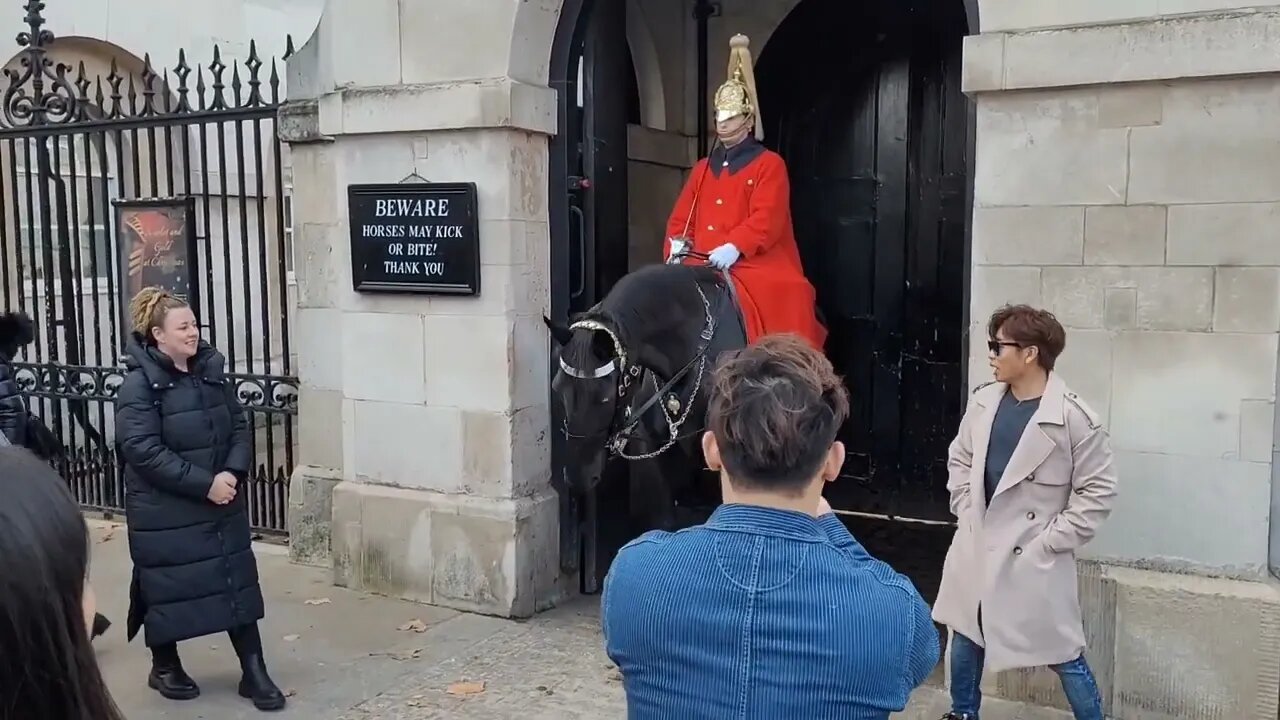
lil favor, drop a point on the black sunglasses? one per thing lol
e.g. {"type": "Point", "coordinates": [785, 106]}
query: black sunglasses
{"type": "Point", "coordinates": [995, 347]}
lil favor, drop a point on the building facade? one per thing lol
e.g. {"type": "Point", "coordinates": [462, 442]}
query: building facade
{"type": "Point", "coordinates": [1115, 162]}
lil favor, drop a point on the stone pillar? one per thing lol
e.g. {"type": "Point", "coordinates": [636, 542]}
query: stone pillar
{"type": "Point", "coordinates": [1126, 179]}
{"type": "Point", "coordinates": [424, 468]}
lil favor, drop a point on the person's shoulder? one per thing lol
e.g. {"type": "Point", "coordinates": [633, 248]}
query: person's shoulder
{"type": "Point", "coordinates": [134, 385]}
{"type": "Point", "coordinates": [1079, 415]}
{"type": "Point", "coordinates": [872, 575]}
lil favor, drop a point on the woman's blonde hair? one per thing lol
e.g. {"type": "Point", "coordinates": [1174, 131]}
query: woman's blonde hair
{"type": "Point", "coordinates": [148, 308]}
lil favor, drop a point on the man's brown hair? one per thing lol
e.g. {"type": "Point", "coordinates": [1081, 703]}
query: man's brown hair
{"type": "Point", "coordinates": [776, 407]}
{"type": "Point", "coordinates": [1030, 327]}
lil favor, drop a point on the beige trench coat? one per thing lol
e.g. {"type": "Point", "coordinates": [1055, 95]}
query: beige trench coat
{"type": "Point", "coordinates": [1016, 559]}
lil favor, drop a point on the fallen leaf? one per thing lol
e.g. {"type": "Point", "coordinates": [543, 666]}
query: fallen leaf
{"type": "Point", "coordinates": [108, 535]}
{"type": "Point", "coordinates": [466, 688]}
{"type": "Point", "coordinates": [414, 625]}
{"type": "Point", "coordinates": [291, 638]}
{"type": "Point", "coordinates": [413, 654]}
{"type": "Point", "coordinates": [318, 601]}
{"type": "Point", "coordinates": [290, 692]}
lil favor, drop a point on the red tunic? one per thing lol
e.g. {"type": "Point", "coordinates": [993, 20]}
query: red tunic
{"type": "Point", "coordinates": [751, 209]}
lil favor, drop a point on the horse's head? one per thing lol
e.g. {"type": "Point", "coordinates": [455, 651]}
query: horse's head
{"type": "Point", "coordinates": [587, 385]}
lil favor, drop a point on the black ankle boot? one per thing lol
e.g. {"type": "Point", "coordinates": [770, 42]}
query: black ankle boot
{"type": "Point", "coordinates": [172, 682]}
{"type": "Point", "coordinates": [257, 685]}
{"type": "Point", "coordinates": [100, 625]}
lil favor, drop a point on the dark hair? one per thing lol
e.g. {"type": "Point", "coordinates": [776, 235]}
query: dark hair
{"type": "Point", "coordinates": [1030, 327]}
{"type": "Point", "coordinates": [775, 409]}
{"type": "Point", "coordinates": [48, 668]}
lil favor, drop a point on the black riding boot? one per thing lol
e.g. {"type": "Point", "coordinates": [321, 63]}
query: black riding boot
{"type": "Point", "coordinates": [255, 683]}
{"type": "Point", "coordinates": [100, 625]}
{"type": "Point", "coordinates": [167, 676]}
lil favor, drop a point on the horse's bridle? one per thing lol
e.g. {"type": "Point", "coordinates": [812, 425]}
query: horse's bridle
{"type": "Point", "coordinates": [675, 412]}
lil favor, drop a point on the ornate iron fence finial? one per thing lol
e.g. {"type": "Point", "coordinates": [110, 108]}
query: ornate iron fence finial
{"type": "Point", "coordinates": [38, 105]}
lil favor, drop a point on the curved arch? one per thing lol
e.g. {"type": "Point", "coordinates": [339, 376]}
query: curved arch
{"type": "Point", "coordinates": [644, 55]}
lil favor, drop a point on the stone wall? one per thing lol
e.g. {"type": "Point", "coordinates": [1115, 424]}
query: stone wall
{"type": "Point", "coordinates": [1126, 179]}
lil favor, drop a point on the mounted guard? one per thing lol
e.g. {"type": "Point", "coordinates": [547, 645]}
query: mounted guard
{"type": "Point", "coordinates": [735, 211]}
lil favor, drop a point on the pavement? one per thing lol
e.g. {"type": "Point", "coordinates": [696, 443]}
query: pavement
{"type": "Point", "coordinates": [343, 655]}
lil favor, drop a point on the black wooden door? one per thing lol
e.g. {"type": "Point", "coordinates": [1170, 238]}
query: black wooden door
{"type": "Point", "coordinates": [874, 127]}
{"type": "Point", "coordinates": [591, 152]}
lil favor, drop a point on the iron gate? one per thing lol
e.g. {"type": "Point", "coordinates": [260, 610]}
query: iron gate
{"type": "Point", "coordinates": [72, 145]}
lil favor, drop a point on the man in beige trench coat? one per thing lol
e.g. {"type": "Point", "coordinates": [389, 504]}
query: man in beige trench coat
{"type": "Point", "coordinates": [1031, 479]}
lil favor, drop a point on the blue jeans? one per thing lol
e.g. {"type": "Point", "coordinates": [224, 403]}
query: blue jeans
{"type": "Point", "coordinates": [966, 677]}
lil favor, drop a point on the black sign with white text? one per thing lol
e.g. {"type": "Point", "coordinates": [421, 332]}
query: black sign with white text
{"type": "Point", "coordinates": [415, 238]}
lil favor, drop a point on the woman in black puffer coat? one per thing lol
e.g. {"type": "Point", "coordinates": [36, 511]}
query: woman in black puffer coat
{"type": "Point", "coordinates": [186, 449]}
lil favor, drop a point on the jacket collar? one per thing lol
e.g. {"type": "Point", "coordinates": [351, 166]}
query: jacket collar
{"type": "Point", "coordinates": [736, 158]}
{"type": "Point", "coordinates": [759, 520]}
{"type": "Point", "coordinates": [159, 369]}
{"type": "Point", "coordinates": [1052, 408]}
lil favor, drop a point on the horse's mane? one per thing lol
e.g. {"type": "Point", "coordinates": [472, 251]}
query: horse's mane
{"type": "Point", "coordinates": [653, 297]}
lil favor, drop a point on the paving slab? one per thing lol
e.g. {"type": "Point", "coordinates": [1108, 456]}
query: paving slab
{"type": "Point", "coordinates": [342, 655]}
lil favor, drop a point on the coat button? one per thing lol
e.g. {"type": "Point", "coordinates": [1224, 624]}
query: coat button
{"type": "Point", "coordinates": [719, 201]}
{"type": "Point", "coordinates": [711, 227]}
{"type": "Point", "coordinates": [751, 181]}
{"type": "Point", "coordinates": [724, 164]}
{"type": "Point", "coordinates": [1031, 477]}
{"type": "Point", "coordinates": [1017, 551]}
{"type": "Point", "coordinates": [1031, 516]}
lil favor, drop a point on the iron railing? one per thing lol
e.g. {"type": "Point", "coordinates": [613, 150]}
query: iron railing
{"type": "Point", "coordinates": [72, 146]}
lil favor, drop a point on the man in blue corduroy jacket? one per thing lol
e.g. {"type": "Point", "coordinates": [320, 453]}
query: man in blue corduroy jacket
{"type": "Point", "coordinates": [771, 610]}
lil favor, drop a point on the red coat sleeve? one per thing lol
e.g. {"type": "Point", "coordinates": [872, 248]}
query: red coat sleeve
{"type": "Point", "coordinates": [684, 204]}
{"type": "Point", "coordinates": [768, 211]}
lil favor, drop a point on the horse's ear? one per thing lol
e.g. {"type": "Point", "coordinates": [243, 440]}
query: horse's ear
{"type": "Point", "coordinates": [559, 333]}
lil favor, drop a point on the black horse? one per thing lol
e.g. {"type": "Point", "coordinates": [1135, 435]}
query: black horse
{"type": "Point", "coordinates": [634, 377]}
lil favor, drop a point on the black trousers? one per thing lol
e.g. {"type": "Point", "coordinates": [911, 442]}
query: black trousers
{"type": "Point", "coordinates": [245, 639]}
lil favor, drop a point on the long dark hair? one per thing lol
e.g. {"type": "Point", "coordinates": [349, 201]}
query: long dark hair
{"type": "Point", "coordinates": [47, 668]}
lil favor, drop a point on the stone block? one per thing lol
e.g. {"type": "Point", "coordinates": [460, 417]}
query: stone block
{"type": "Point", "coordinates": [1257, 430]}
{"type": "Point", "coordinates": [347, 54]}
{"type": "Point", "coordinates": [310, 515]}
{"type": "Point", "coordinates": [497, 557]}
{"type": "Point", "coordinates": [1167, 298]}
{"type": "Point", "coordinates": [1130, 106]}
{"type": "Point", "coordinates": [1041, 686]}
{"type": "Point", "coordinates": [983, 63]}
{"type": "Point", "coordinates": [1120, 308]}
{"type": "Point", "coordinates": [1086, 366]}
{"type": "Point", "coordinates": [469, 361]}
{"type": "Point", "coordinates": [530, 362]}
{"type": "Point", "coordinates": [1169, 48]}
{"type": "Point", "coordinates": [319, 252]}
{"type": "Point", "coordinates": [487, 444]}
{"type": "Point", "coordinates": [1041, 148]}
{"type": "Point", "coordinates": [1216, 163]}
{"type": "Point", "coordinates": [320, 427]}
{"type": "Point", "coordinates": [1183, 513]}
{"type": "Point", "coordinates": [452, 41]}
{"type": "Point", "coordinates": [1195, 648]}
{"type": "Point", "coordinates": [1125, 235]}
{"type": "Point", "coordinates": [1010, 15]}
{"type": "Point", "coordinates": [1225, 234]}
{"type": "Point", "coordinates": [382, 357]}
{"type": "Point", "coordinates": [1028, 235]}
{"type": "Point", "coordinates": [502, 242]}
{"type": "Point", "coordinates": [993, 286]}
{"type": "Point", "coordinates": [317, 335]}
{"type": "Point", "coordinates": [393, 555]}
{"type": "Point", "coordinates": [1180, 393]}
{"type": "Point", "coordinates": [411, 446]}
{"type": "Point", "coordinates": [1247, 299]}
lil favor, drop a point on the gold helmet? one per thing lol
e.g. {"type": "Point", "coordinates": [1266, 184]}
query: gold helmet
{"type": "Point", "coordinates": [737, 96]}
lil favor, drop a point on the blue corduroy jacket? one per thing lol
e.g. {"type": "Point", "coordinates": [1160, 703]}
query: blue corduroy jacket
{"type": "Point", "coordinates": [763, 614]}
